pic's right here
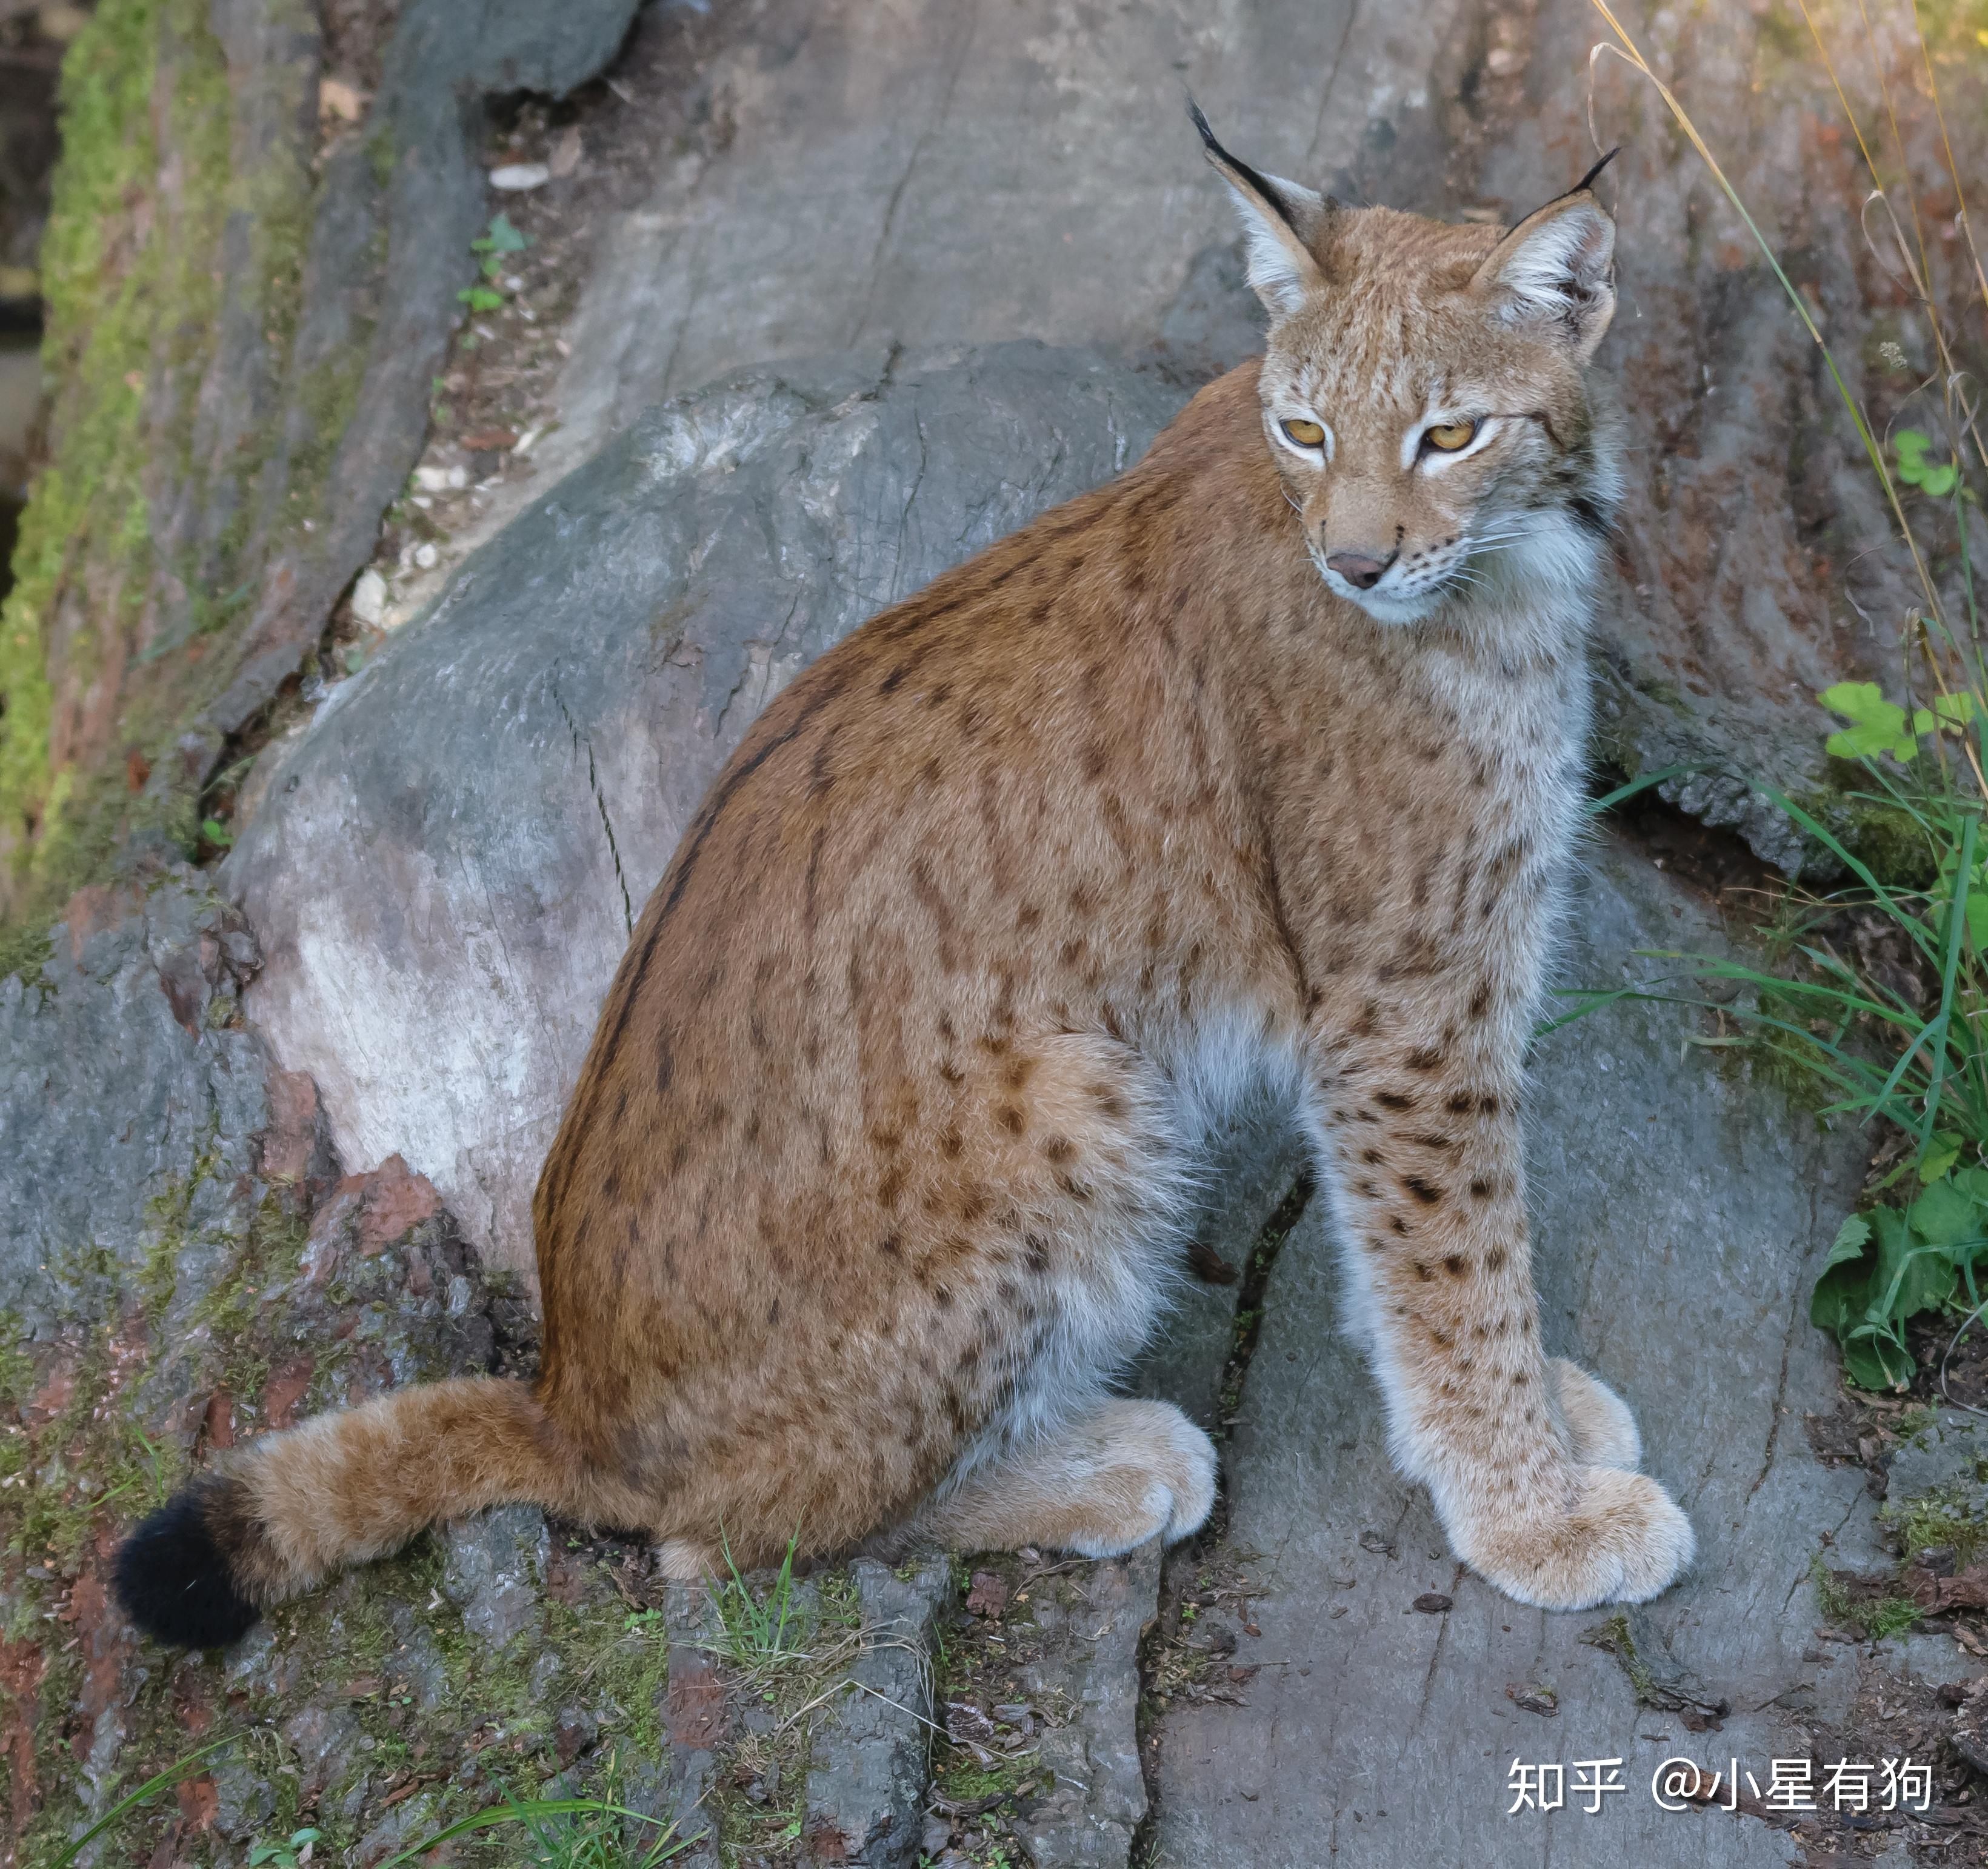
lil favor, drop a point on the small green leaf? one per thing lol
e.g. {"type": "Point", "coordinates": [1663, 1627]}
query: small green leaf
{"type": "Point", "coordinates": [1954, 710]}
{"type": "Point", "coordinates": [1873, 1365]}
{"type": "Point", "coordinates": [216, 833]}
{"type": "Point", "coordinates": [502, 238]}
{"type": "Point", "coordinates": [1876, 725]}
{"type": "Point", "coordinates": [1941, 1154]}
{"type": "Point", "coordinates": [1851, 1237]}
{"type": "Point", "coordinates": [1977, 923]}
{"type": "Point", "coordinates": [1912, 1275]}
{"type": "Point", "coordinates": [1842, 1294]}
{"type": "Point", "coordinates": [1934, 478]}
{"type": "Point", "coordinates": [481, 298]}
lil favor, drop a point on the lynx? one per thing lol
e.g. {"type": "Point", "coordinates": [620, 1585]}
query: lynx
{"type": "Point", "coordinates": [1257, 769]}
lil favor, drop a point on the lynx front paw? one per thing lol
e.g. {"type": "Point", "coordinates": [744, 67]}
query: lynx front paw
{"type": "Point", "coordinates": [1623, 1540]}
{"type": "Point", "coordinates": [1602, 1432]}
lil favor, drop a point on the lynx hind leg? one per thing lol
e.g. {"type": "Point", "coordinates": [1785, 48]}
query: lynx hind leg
{"type": "Point", "coordinates": [1600, 1429]}
{"type": "Point", "coordinates": [1129, 1472]}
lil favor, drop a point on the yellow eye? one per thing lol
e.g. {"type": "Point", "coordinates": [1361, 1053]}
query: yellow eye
{"type": "Point", "coordinates": [1449, 436]}
{"type": "Point", "coordinates": [1306, 434]}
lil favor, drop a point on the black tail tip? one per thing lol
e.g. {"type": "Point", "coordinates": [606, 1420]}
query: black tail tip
{"type": "Point", "coordinates": [171, 1576]}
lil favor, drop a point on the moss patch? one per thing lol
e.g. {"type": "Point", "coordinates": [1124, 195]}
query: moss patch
{"type": "Point", "coordinates": [108, 610]}
{"type": "Point", "coordinates": [1950, 1520]}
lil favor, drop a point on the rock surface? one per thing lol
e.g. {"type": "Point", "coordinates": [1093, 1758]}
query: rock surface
{"type": "Point", "coordinates": [867, 1778]}
{"type": "Point", "coordinates": [246, 315]}
{"type": "Point", "coordinates": [1087, 1814]}
{"type": "Point", "coordinates": [124, 1065]}
{"type": "Point", "coordinates": [451, 860]}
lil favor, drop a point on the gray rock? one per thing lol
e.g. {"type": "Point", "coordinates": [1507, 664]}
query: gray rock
{"type": "Point", "coordinates": [449, 864]}
{"type": "Point", "coordinates": [245, 1799]}
{"type": "Point", "coordinates": [131, 1103]}
{"type": "Point", "coordinates": [1085, 1817]}
{"type": "Point", "coordinates": [281, 420]}
{"type": "Point", "coordinates": [696, 1719]}
{"type": "Point", "coordinates": [866, 1783]}
{"type": "Point", "coordinates": [1946, 1455]}
{"type": "Point", "coordinates": [377, 306]}
{"type": "Point", "coordinates": [1682, 1212]}
{"type": "Point", "coordinates": [402, 1826]}
{"type": "Point", "coordinates": [495, 1570]}
{"type": "Point", "coordinates": [417, 1667]}
{"type": "Point", "coordinates": [325, 1740]}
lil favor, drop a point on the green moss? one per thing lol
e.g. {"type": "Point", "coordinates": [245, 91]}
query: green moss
{"type": "Point", "coordinates": [1887, 1616]}
{"type": "Point", "coordinates": [621, 1658]}
{"type": "Point", "coordinates": [1949, 1520]}
{"type": "Point", "coordinates": [17, 1367]}
{"type": "Point", "coordinates": [89, 1461]}
{"type": "Point", "coordinates": [228, 1313]}
{"type": "Point", "coordinates": [25, 948]}
{"type": "Point", "coordinates": [1885, 838]}
{"type": "Point", "coordinates": [328, 395]}
{"type": "Point", "coordinates": [269, 1258]}
{"type": "Point", "coordinates": [1613, 1637]}
{"type": "Point", "coordinates": [965, 1780]}
{"type": "Point", "coordinates": [134, 301]}
{"type": "Point", "coordinates": [381, 155]}
{"type": "Point", "coordinates": [1912, 1422]}
{"type": "Point", "coordinates": [168, 1212]}
{"type": "Point", "coordinates": [99, 298]}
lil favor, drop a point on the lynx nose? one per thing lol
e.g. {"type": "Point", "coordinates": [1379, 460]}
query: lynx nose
{"type": "Point", "coordinates": [1361, 572]}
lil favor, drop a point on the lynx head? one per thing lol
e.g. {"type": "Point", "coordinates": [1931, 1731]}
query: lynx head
{"type": "Point", "coordinates": [1424, 394]}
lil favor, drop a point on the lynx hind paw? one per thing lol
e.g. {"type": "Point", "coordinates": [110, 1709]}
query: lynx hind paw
{"type": "Point", "coordinates": [1601, 1430]}
{"type": "Point", "coordinates": [1153, 1477]}
{"type": "Point", "coordinates": [1189, 1471]}
{"type": "Point", "coordinates": [684, 1560]}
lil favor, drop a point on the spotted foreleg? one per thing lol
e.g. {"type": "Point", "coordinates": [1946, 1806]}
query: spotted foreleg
{"type": "Point", "coordinates": [1523, 1457]}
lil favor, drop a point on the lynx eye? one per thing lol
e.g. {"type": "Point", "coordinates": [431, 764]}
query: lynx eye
{"type": "Point", "coordinates": [1449, 436]}
{"type": "Point", "coordinates": [1306, 434]}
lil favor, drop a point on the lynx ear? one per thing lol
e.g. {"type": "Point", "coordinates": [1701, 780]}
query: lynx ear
{"type": "Point", "coordinates": [1281, 223]}
{"type": "Point", "coordinates": [1556, 270]}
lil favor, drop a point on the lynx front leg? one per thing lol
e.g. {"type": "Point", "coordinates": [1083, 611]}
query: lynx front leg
{"type": "Point", "coordinates": [1523, 1457]}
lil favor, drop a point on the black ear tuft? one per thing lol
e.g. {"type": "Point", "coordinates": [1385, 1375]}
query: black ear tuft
{"type": "Point", "coordinates": [1200, 119]}
{"type": "Point", "coordinates": [171, 1575]}
{"type": "Point", "coordinates": [1261, 183]}
{"type": "Point", "coordinates": [1587, 181]}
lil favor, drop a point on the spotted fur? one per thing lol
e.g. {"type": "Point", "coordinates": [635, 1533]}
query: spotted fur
{"type": "Point", "coordinates": [873, 1180]}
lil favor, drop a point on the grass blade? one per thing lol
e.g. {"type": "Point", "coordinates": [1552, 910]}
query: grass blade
{"type": "Point", "coordinates": [171, 1776]}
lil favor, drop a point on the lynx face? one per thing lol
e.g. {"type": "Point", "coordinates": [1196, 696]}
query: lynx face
{"type": "Point", "coordinates": [1423, 391]}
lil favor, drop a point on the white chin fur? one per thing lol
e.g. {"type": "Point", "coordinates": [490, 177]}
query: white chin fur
{"type": "Point", "coordinates": [1382, 605]}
